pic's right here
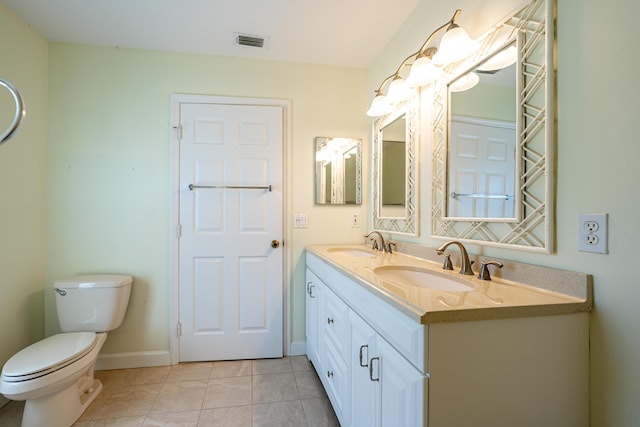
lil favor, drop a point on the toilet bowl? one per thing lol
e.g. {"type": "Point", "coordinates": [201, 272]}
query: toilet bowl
{"type": "Point", "coordinates": [55, 375]}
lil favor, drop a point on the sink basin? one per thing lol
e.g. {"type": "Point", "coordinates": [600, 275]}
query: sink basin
{"type": "Point", "coordinates": [420, 277]}
{"type": "Point", "coordinates": [352, 252]}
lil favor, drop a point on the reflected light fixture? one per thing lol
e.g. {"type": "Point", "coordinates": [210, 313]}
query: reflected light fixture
{"type": "Point", "coordinates": [455, 44]}
{"type": "Point", "coordinates": [465, 82]}
{"type": "Point", "coordinates": [500, 60]}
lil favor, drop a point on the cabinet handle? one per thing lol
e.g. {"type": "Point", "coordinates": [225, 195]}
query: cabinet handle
{"type": "Point", "coordinates": [362, 347]}
{"type": "Point", "coordinates": [310, 287]}
{"type": "Point", "coordinates": [371, 369]}
{"type": "Point", "coordinates": [329, 374]}
{"type": "Point", "coordinates": [329, 320]}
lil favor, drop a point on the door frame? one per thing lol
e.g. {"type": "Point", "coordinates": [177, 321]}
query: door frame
{"type": "Point", "coordinates": [174, 217]}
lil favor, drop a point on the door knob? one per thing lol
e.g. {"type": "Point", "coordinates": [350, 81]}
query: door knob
{"type": "Point", "coordinates": [275, 244]}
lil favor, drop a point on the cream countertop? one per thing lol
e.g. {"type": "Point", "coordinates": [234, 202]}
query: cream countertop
{"type": "Point", "coordinates": [498, 298]}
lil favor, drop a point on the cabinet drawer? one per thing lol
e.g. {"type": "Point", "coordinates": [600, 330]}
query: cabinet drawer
{"type": "Point", "coordinates": [336, 324]}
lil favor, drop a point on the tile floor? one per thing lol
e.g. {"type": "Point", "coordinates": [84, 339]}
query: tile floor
{"type": "Point", "coordinates": [268, 392]}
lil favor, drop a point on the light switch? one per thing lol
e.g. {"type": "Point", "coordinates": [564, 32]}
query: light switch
{"type": "Point", "coordinates": [300, 220]}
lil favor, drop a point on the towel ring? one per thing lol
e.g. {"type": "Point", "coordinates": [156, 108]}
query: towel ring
{"type": "Point", "coordinates": [20, 111]}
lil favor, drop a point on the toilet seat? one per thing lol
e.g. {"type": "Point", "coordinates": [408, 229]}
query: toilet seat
{"type": "Point", "coordinates": [47, 356]}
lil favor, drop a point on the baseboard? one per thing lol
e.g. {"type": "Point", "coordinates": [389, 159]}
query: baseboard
{"type": "Point", "coordinates": [145, 359]}
{"type": "Point", "coordinates": [140, 359]}
{"type": "Point", "coordinates": [298, 348]}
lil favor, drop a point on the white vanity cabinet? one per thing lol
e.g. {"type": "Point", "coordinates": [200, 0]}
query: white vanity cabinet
{"type": "Point", "coordinates": [382, 367]}
{"type": "Point", "coordinates": [368, 381]}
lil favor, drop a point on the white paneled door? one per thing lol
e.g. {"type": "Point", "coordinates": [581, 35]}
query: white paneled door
{"type": "Point", "coordinates": [231, 217]}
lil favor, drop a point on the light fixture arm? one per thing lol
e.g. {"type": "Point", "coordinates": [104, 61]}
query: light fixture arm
{"type": "Point", "coordinates": [425, 50]}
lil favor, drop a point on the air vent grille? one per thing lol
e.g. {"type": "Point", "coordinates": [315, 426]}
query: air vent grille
{"type": "Point", "coordinates": [251, 41]}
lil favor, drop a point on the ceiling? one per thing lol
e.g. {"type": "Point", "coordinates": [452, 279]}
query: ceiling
{"type": "Point", "coordinates": [334, 32]}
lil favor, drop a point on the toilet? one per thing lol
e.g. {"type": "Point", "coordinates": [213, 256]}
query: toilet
{"type": "Point", "coordinates": [55, 376]}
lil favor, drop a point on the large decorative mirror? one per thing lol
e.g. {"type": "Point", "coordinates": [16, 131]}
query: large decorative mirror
{"type": "Point", "coordinates": [395, 197]}
{"type": "Point", "coordinates": [493, 165]}
{"type": "Point", "coordinates": [338, 165]}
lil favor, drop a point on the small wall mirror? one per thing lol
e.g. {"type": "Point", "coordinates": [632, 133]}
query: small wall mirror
{"type": "Point", "coordinates": [482, 138]}
{"type": "Point", "coordinates": [395, 198]}
{"type": "Point", "coordinates": [338, 166]}
{"type": "Point", "coordinates": [473, 201]}
{"type": "Point", "coordinates": [393, 159]}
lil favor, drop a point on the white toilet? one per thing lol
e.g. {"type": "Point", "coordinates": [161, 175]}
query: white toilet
{"type": "Point", "coordinates": [55, 375]}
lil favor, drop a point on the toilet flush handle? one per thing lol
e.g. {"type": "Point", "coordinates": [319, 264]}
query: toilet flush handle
{"type": "Point", "coordinates": [62, 292]}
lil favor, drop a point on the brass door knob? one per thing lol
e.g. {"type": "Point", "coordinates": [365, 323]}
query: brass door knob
{"type": "Point", "coordinates": [275, 244]}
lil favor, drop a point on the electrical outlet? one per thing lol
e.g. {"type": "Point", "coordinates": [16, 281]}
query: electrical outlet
{"type": "Point", "coordinates": [592, 233]}
{"type": "Point", "coordinates": [355, 220]}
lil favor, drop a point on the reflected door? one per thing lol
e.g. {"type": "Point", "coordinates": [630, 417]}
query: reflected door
{"type": "Point", "coordinates": [481, 169]}
{"type": "Point", "coordinates": [231, 278]}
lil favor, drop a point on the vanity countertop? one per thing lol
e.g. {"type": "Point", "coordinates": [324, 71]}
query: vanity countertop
{"type": "Point", "coordinates": [495, 299]}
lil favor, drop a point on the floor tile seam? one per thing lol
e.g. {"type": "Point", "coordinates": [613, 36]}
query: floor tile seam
{"type": "Point", "coordinates": [277, 401]}
{"type": "Point", "coordinates": [230, 376]}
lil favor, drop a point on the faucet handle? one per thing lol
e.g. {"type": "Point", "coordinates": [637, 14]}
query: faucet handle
{"type": "Point", "coordinates": [447, 260]}
{"type": "Point", "coordinates": [484, 269]}
{"type": "Point", "coordinates": [390, 246]}
{"type": "Point", "coordinates": [374, 245]}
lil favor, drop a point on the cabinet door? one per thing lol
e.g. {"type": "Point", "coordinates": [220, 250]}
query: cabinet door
{"type": "Point", "coordinates": [313, 327]}
{"type": "Point", "coordinates": [402, 388]}
{"type": "Point", "coordinates": [365, 393]}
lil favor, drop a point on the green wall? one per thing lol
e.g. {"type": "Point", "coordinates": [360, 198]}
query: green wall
{"type": "Point", "coordinates": [108, 182]}
{"type": "Point", "coordinates": [22, 187]}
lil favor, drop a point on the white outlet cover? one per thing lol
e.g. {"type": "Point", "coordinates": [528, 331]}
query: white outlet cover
{"type": "Point", "coordinates": [590, 238]}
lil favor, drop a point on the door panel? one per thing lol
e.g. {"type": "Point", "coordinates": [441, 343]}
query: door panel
{"type": "Point", "coordinates": [481, 163]}
{"type": "Point", "coordinates": [231, 279]}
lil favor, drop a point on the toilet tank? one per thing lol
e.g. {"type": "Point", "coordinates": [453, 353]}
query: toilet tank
{"type": "Point", "coordinates": [96, 302]}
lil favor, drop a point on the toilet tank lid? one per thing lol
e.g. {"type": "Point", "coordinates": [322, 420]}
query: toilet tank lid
{"type": "Point", "coordinates": [93, 281]}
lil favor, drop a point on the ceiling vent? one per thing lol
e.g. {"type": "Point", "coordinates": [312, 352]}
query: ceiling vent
{"type": "Point", "coordinates": [251, 41]}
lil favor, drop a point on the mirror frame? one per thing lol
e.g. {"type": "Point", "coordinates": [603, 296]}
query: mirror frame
{"type": "Point", "coordinates": [408, 224]}
{"type": "Point", "coordinates": [533, 25]}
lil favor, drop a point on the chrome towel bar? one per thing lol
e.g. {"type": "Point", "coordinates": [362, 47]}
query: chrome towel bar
{"type": "Point", "coordinates": [480, 196]}
{"type": "Point", "coordinates": [232, 187]}
{"type": "Point", "coordinates": [20, 111]}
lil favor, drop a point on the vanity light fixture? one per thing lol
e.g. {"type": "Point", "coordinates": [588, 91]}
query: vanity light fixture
{"type": "Point", "coordinates": [454, 46]}
{"type": "Point", "coordinates": [423, 70]}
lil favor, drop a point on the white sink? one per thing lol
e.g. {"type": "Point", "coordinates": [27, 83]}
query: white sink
{"type": "Point", "coordinates": [420, 277]}
{"type": "Point", "coordinates": [352, 252]}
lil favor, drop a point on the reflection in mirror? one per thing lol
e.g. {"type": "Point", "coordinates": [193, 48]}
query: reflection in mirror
{"type": "Point", "coordinates": [338, 165]}
{"type": "Point", "coordinates": [395, 198]}
{"type": "Point", "coordinates": [393, 168]}
{"type": "Point", "coordinates": [529, 225]}
{"type": "Point", "coordinates": [482, 138]}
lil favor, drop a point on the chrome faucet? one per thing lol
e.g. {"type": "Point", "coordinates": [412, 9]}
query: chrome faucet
{"type": "Point", "coordinates": [380, 247]}
{"type": "Point", "coordinates": [466, 264]}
